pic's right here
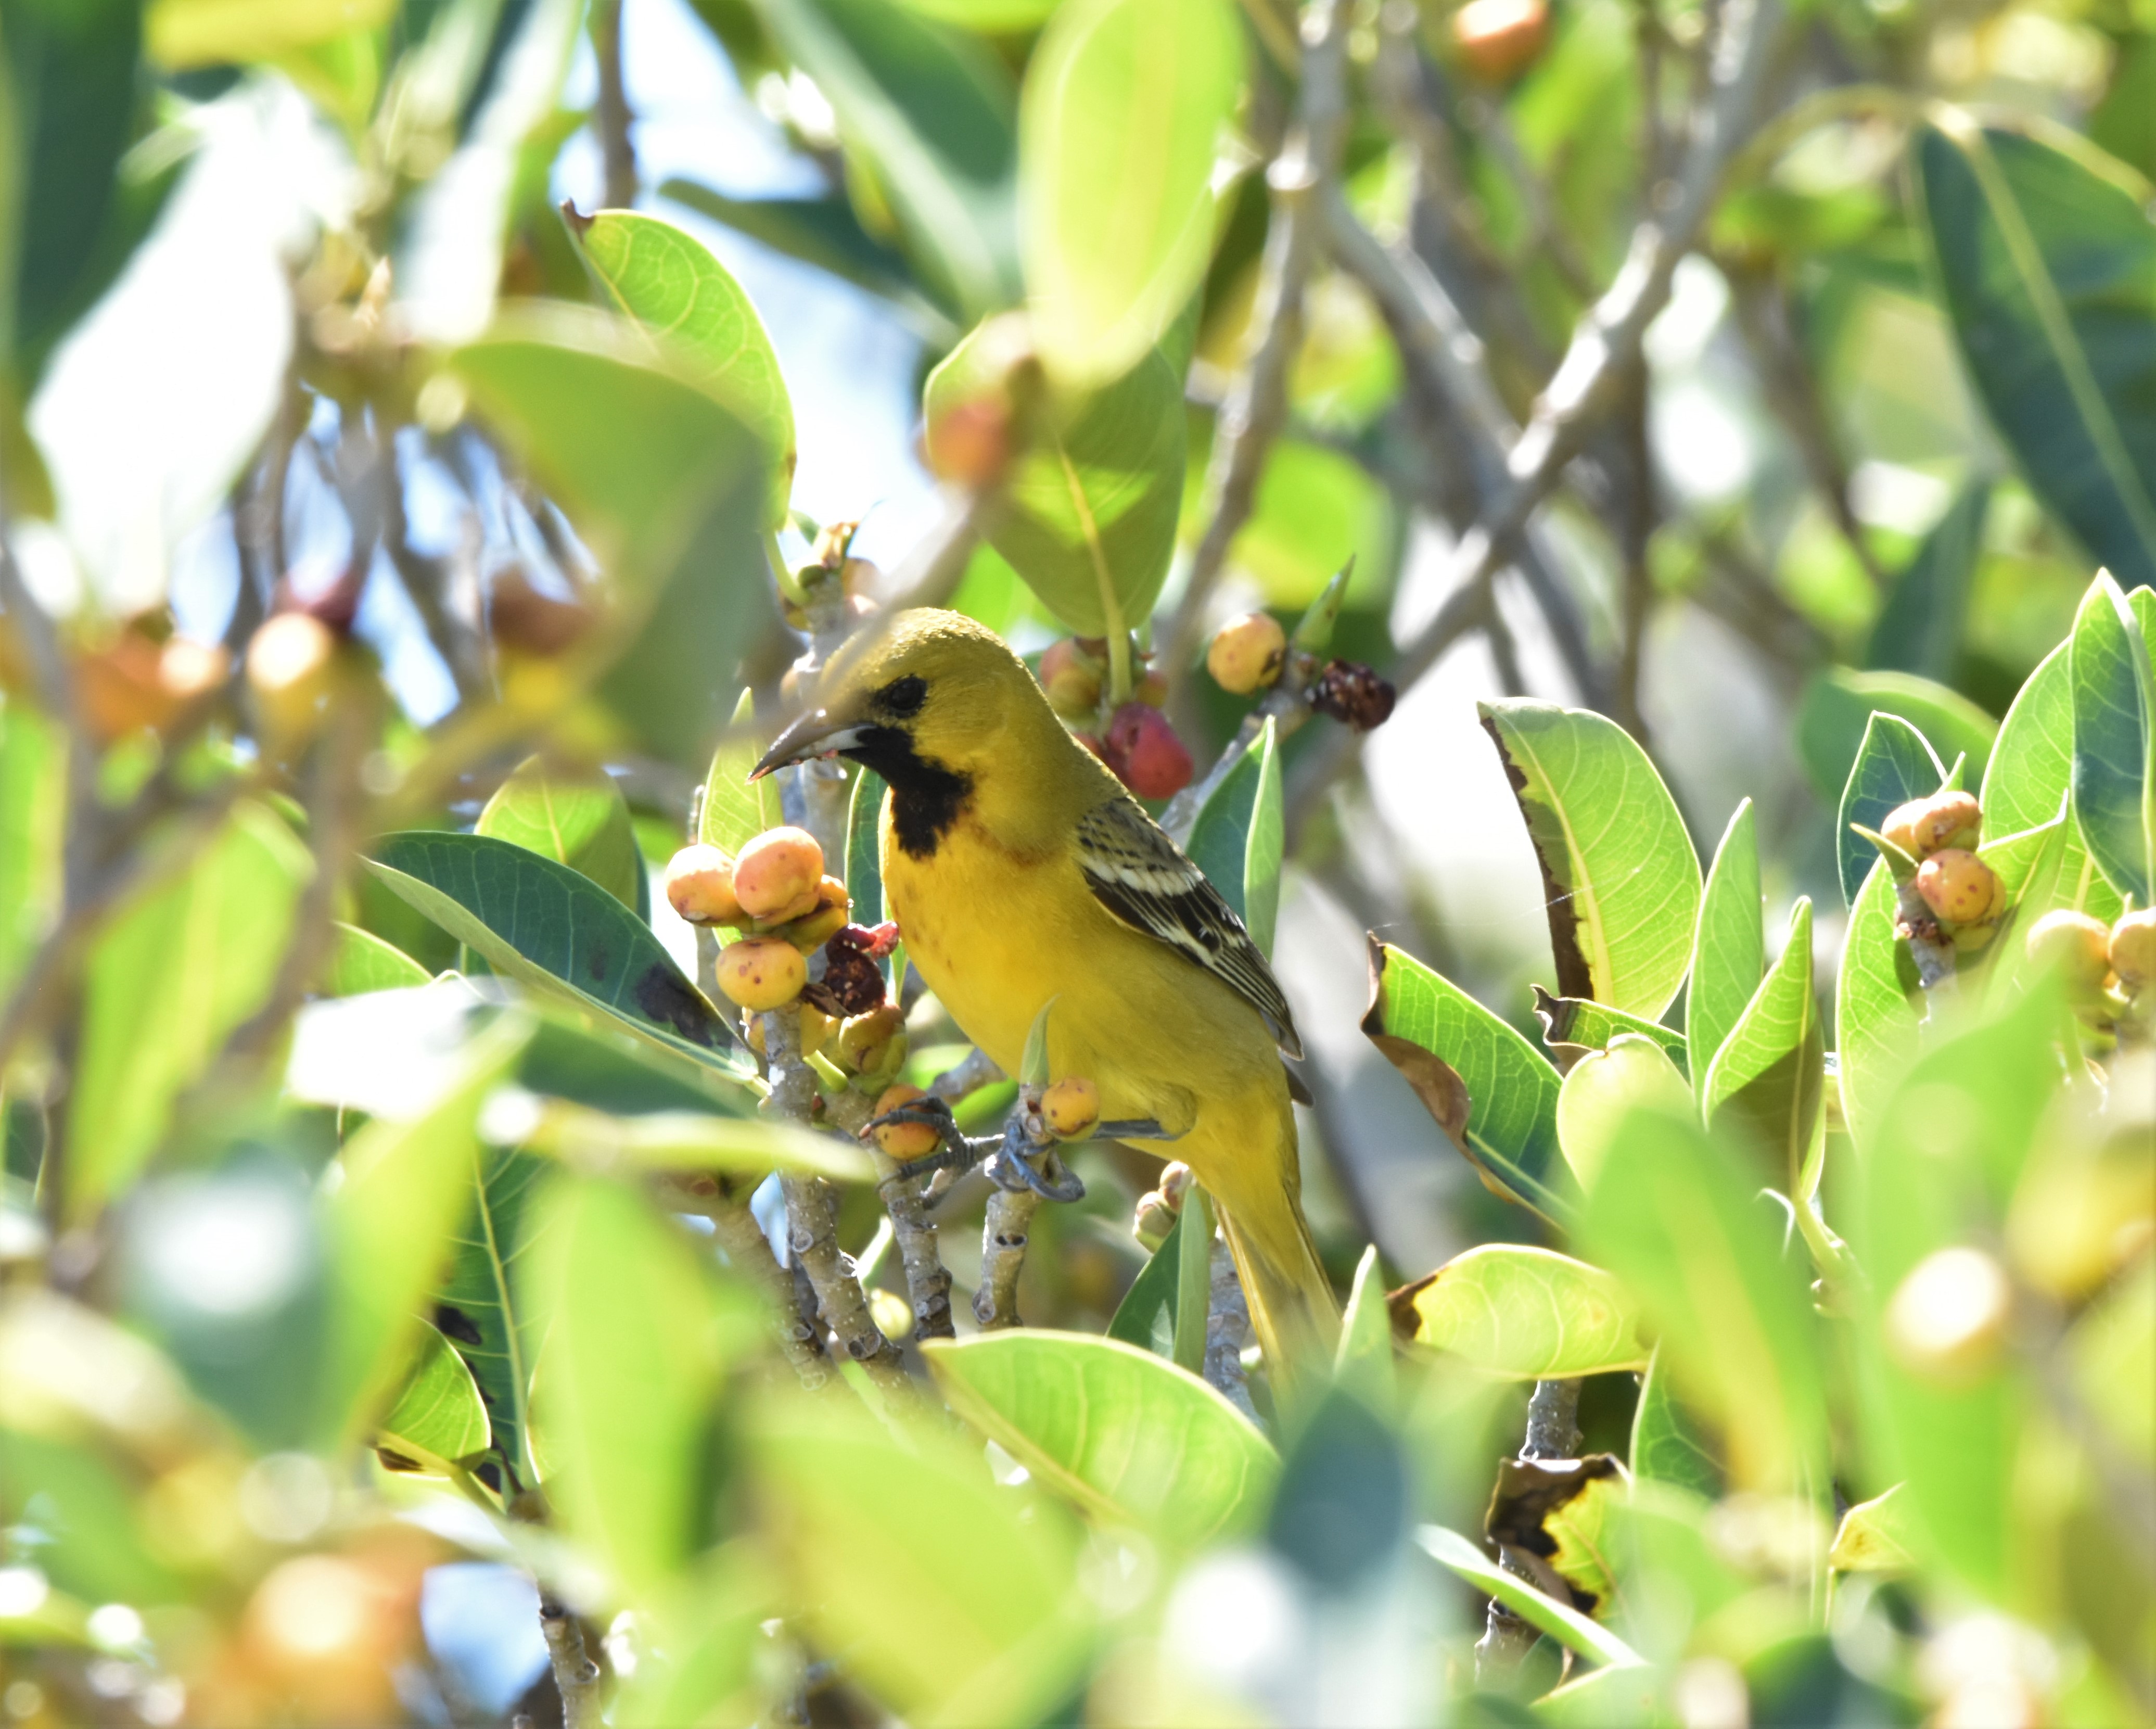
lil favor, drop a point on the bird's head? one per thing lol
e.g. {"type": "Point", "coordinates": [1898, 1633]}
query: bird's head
{"type": "Point", "coordinates": [933, 693]}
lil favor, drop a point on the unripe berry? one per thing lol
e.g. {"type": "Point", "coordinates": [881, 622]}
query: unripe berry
{"type": "Point", "coordinates": [1072, 680]}
{"type": "Point", "coordinates": [892, 1314]}
{"type": "Point", "coordinates": [291, 661]}
{"type": "Point", "coordinates": [1152, 1220]}
{"type": "Point", "coordinates": [760, 972]}
{"type": "Point", "coordinates": [1070, 1108]}
{"type": "Point", "coordinates": [2075, 944]}
{"type": "Point", "coordinates": [1959, 887]}
{"type": "Point", "coordinates": [1946, 1319]}
{"type": "Point", "coordinates": [1247, 653]}
{"type": "Point", "coordinates": [1143, 750]}
{"type": "Point", "coordinates": [903, 1140]}
{"type": "Point", "coordinates": [813, 931]}
{"type": "Point", "coordinates": [1500, 38]}
{"type": "Point", "coordinates": [777, 875]}
{"type": "Point", "coordinates": [2133, 948]}
{"type": "Point", "coordinates": [700, 886]}
{"type": "Point", "coordinates": [1923, 826]}
{"type": "Point", "coordinates": [865, 1042]}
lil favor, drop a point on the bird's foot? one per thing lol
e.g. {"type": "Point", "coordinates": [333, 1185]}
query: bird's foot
{"type": "Point", "coordinates": [1010, 1168]}
{"type": "Point", "coordinates": [957, 1153]}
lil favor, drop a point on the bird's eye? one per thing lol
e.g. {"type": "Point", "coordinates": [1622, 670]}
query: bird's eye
{"type": "Point", "coordinates": [903, 696]}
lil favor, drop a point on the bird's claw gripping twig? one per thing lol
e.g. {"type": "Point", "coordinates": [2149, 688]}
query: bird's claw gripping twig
{"type": "Point", "coordinates": [1009, 1168]}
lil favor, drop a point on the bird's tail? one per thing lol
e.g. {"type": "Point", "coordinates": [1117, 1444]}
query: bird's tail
{"type": "Point", "coordinates": [1292, 1306]}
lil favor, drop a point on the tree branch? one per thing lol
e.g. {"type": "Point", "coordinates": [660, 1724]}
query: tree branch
{"type": "Point", "coordinates": [611, 116]}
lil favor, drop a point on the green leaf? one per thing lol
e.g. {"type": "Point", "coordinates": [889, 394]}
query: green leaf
{"type": "Point", "coordinates": [170, 977]}
{"type": "Point", "coordinates": [1529, 1314]}
{"type": "Point", "coordinates": [1318, 512]}
{"type": "Point", "coordinates": [736, 809]}
{"type": "Point", "coordinates": [2112, 1347]}
{"type": "Point", "coordinates": [2031, 771]}
{"type": "Point", "coordinates": [1838, 706]}
{"type": "Point", "coordinates": [1362, 1362]}
{"type": "Point", "coordinates": [667, 486]}
{"type": "Point", "coordinates": [2046, 263]}
{"type": "Point", "coordinates": [482, 1311]}
{"type": "Point", "coordinates": [691, 1141]}
{"type": "Point", "coordinates": [1131, 1439]}
{"type": "Point", "coordinates": [1239, 835]}
{"type": "Point", "coordinates": [863, 848]}
{"type": "Point", "coordinates": [1878, 1006]}
{"type": "Point", "coordinates": [1674, 1217]}
{"type": "Point", "coordinates": [581, 821]}
{"type": "Point", "coordinates": [1124, 106]}
{"type": "Point", "coordinates": [102, 1555]}
{"type": "Point", "coordinates": [1559, 1621]}
{"type": "Point", "coordinates": [185, 34]}
{"type": "Point", "coordinates": [957, 1602]}
{"type": "Point", "coordinates": [637, 1338]}
{"type": "Point", "coordinates": [1919, 628]}
{"type": "Point", "coordinates": [1087, 512]}
{"type": "Point", "coordinates": [1194, 1281]}
{"type": "Point", "coordinates": [701, 1664]}
{"type": "Point", "coordinates": [1667, 1446]}
{"type": "Point", "coordinates": [931, 111]}
{"type": "Point", "coordinates": [1619, 877]}
{"type": "Point", "coordinates": [989, 17]}
{"type": "Point", "coordinates": [361, 962]}
{"type": "Point", "coordinates": [1602, 1091]}
{"type": "Point", "coordinates": [33, 808]}
{"type": "Point", "coordinates": [439, 1419]}
{"type": "Point", "coordinates": [1147, 1315]}
{"type": "Point", "coordinates": [558, 933]}
{"type": "Point", "coordinates": [667, 281]}
{"type": "Point", "coordinates": [1729, 949]}
{"type": "Point", "coordinates": [1768, 1080]}
{"type": "Point", "coordinates": [825, 232]}
{"type": "Point", "coordinates": [2114, 706]}
{"type": "Point", "coordinates": [1894, 764]}
{"type": "Point", "coordinates": [1959, 1128]}
{"type": "Point", "coordinates": [389, 1224]}
{"type": "Point", "coordinates": [1573, 1026]}
{"type": "Point", "coordinates": [1873, 1536]}
{"type": "Point", "coordinates": [1493, 1094]}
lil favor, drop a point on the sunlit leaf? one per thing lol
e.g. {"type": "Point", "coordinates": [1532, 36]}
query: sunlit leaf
{"type": "Point", "coordinates": [1873, 1537]}
{"type": "Point", "coordinates": [1667, 1446]}
{"type": "Point", "coordinates": [1894, 764]}
{"type": "Point", "coordinates": [438, 1418]}
{"type": "Point", "coordinates": [389, 1224]}
{"type": "Point", "coordinates": [1601, 1091]}
{"type": "Point", "coordinates": [2113, 1349]}
{"type": "Point", "coordinates": [736, 809]}
{"type": "Point", "coordinates": [1676, 1217]}
{"type": "Point", "coordinates": [2031, 771]}
{"type": "Point", "coordinates": [1493, 1094]}
{"type": "Point", "coordinates": [638, 1334]}
{"type": "Point", "coordinates": [1838, 706]}
{"type": "Point", "coordinates": [1528, 1313]}
{"type": "Point", "coordinates": [1087, 515]}
{"type": "Point", "coordinates": [1767, 1083]}
{"type": "Point", "coordinates": [361, 962]}
{"type": "Point", "coordinates": [1237, 837]}
{"type": "Point", "coordinates": [956, 1601]}
{"type": "Point", "coordinates": [1620, 880]}
{"type": "Point", "coordinates": [559, 933]}
{"type": "Point", "coordinates": [823, 232]}
{"type": "Point", "coordinates": [669, 281]}
{"type": "Point", "coordinates": [1729, 949]}
{"type": "Point", "coordinates": [1559, 1621]}
{"type": "Point", "coordinates": [932, 111]}
{"type": "Point", "coordinates": [581, 821]}
{"type": "Point", "coordinates": [481, 1311]}
{"type": "Point", "coordinates": [1362, 1362]}
{"type": "Point", "coordinates": [1131, 1439]}
{"type": "Point", "coordinates": [1123, 107]}
{"type": "Point", "coordinates": [692, 1141]}
{"type": "Point", "coordinates": [170, 977]}
{"type": "Point", "coordinates": [1573, 1026]}
{"type": "Point", "coordinates": [1561, 1510]}
{"type": "Point", "coordinates": [2047, 265]}
{"type": "Point", "coordinates": [33, 797]}
{"type": "Point", "coordinates": [182, 33]}
{"type": "Point", "coordinates": [2114, 764]}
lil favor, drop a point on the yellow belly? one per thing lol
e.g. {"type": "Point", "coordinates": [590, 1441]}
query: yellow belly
{"type": "Point", "coordinates": [997, 936]}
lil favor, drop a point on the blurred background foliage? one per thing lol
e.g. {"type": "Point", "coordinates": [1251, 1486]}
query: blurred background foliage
{"type": "Point", "coordinates": [417, 425]}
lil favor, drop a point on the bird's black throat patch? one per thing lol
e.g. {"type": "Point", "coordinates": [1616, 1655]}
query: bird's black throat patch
{"type": "Point", "coordinates": [926, 797]}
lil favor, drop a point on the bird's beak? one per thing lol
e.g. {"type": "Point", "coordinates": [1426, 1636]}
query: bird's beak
{"type": "Point", "coordinates": [815, 734]}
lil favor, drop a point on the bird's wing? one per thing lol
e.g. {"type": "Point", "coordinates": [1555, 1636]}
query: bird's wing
{"type": "Point", "coordinates": [1143, 878]}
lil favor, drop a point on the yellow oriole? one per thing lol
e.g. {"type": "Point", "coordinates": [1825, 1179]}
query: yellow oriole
{"type": "Point", "coordinates": [1018, 870]}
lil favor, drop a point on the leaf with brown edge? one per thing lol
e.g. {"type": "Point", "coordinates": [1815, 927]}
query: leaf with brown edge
{"type": "Point", "coordinates": [1553, 1515]}
{"type": "Point", "coordinates": [1493, 1092]}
